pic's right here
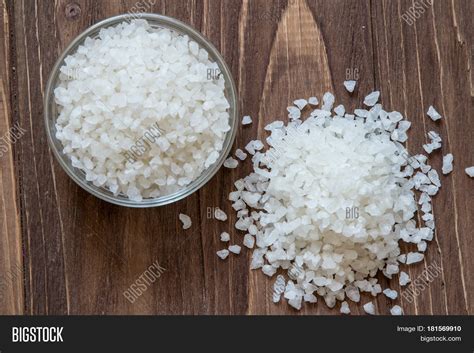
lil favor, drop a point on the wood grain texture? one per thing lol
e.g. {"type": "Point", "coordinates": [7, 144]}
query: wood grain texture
{"type": "Point", "coordinates": [79, 254]}
{"type": "Point", "coordinates": [11, 273]}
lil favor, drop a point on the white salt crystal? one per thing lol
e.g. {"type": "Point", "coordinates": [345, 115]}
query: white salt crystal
{"type": "Point", "coordinates": [340, 110]}
{"type": "Point", "coordinates": [310, 298]}
{"type": "Point", "coordinates": [345, 308]}
{"type": "Point", "coordinates": [413, 257]}
{"type": "Point", "coordinates": [294, 112]}
{"type": "Point", "coordinates": [369, 308]}
{"type": "Point", "coordinates": [268, 270]}
{"type": "Point", "coordinates": [220, 215]}
{"type": "Point", "coordinates": [447, 164]}
{"type": "Point", "coordinates": [246, 120]}
{"type": "Point", "coordinates": [422, 246]}
{"type": "Point", "coordinates": [350, 85]}
{"type": "Point", "coordinates": [186, 220]}
{"type": "Point", "coordinates": [225, 237]}
{"type": "Point", "coordinates": [223, 254]}
{"type": "Point", "coordinates": [433, 114]}
{"type": "Point", "coordinates": [372, 98]}
{"type": "Point", "coordinates": [434, 177]}
{"type": "Point", "coordinates": [249, 241]}
{"type": "Point", "coordinates": [235, 249]}
{"type": "Point", "coordinates": [313, 101]}
{"type": "Point", "coordinates": [470, 171]}
{"type": "Point", "coordinates": [231, 163]}
{"type": "Point", "coordinates": [389, 293]}
{"type": "Point", "coordinates": [300, 103]}
{"type": "Point", "coordinates": [404, 279]}
{"type": "Point", "coordinates": [240, 154]}
{"type": "Point", "coordinates": [328, 101]}
{"type": "Point", "coordinates": [396, 310]}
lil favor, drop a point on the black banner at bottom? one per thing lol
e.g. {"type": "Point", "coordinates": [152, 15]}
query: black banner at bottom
{"type": "Point", "coordinates": [222, 333]}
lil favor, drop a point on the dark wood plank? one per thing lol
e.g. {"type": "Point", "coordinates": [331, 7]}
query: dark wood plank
{"type": "Point", "coordinates": [81, 254]}
{"type": "Point", "coordinates": [11, 265]}
{"type": "Point", "coordinates": [424, 64]}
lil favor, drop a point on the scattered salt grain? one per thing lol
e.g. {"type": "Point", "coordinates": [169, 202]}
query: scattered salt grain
{"type": "Point", "coordinates": [186, 220]}
{"type": "Point", "coordinates": [413, 257]}
{"type": "Point", "coordinates": [313, 101]}
{"type": "Point", "coordinates": [246, 120]}
{"type": "Point", "coordinates": [433, 114]}
{"type": "Point", "coordinates": [404, 279]}
{"type": "Point", "coordinates": [300, 103]}
{"type": "Point", "coordinates": [345, 308]}
{"type": "Point", "coordinates": [390, 293]}
{"type": "Point", "coordinates": [225, 237]}
{"type": "Point", "coordinates": [235, 249]}
{"type": "Point", "coordinates": [369, 308]}
{"type": "Point", "coordinates": [396, 310]}
{"type": "Point", "coordinates": [220, 215]}
{"type": "Point", "coordinates": [223, 254]}
{"type": "Point", "coordinates": [447, 164]}
{"type": "Point", "coordinates": [231, 163]}
{"type": "Point", "coordinates": [240, 154]}
{"type": "Point", "coordinates": [372, 98]}
{"type": "Point", "coordinates": [470, 171]}
{"type": "Point", "coordinates": [350, 85]}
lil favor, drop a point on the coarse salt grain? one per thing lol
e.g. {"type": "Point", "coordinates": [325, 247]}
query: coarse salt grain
{"type": "Point", "coordinates": [447, 164]}
{"type": "Point", "coordinates": [369, 308]}
{"type": "Point", "coordinates": [220, 215]}
{"type": "Point", "coordinates": [249, 241]}
{"type": "Point", "coordinates": [225, 237]}
{"type": "Point", "coordinates": [223, 253]}
{"type": "Point", "coordinates": [470, 171]}
{"type": "Point", "coordinates": [313, 101]}
{"type": "Point", "coordinates": [235, 249]}
{"type": "Point", "coordinates": [231, 163]}
{"type": "Point", "coordinates": [396, 310]}
{"type": "Point", "coordinates": [186, 220]}
{"type": "Point", "coordinates": [246, 120]}
{"type": "Point", "coordinates": [372, 98]}
{"type": "Point", "coordinates": [433, 114]}
{"type": "Point", "coordinates": [404, 279]}
{"type": "Point", "coordinates": [389, 293]}
{"type": "Point", "coordinates": [300, 103]}
{"type": "Point", "coordinates": [345, 308]}
{"type": "Point", "coordinates": [240, 154]}
{"type": "Point", "coordinates": [350, 85]}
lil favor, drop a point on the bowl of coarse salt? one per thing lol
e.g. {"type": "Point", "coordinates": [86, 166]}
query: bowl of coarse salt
{"type": "Point", "coordinates": [141, 112]}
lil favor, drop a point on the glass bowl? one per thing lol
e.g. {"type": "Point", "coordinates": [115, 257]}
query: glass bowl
{"type": "Point", "coordinates": [51, 113]}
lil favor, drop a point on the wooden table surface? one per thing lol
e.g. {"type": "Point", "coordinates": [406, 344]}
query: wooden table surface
{"type": "Point", "coordinates": [63, 251]}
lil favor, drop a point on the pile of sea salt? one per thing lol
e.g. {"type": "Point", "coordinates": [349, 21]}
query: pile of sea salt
{"type": "Point", "coordinates": [331, 200]}
{"type": "Point", "coordinates": [138, 113]}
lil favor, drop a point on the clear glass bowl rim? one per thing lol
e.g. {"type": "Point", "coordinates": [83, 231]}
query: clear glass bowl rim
{"type": "Point", "coordinates": [102, 193]}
